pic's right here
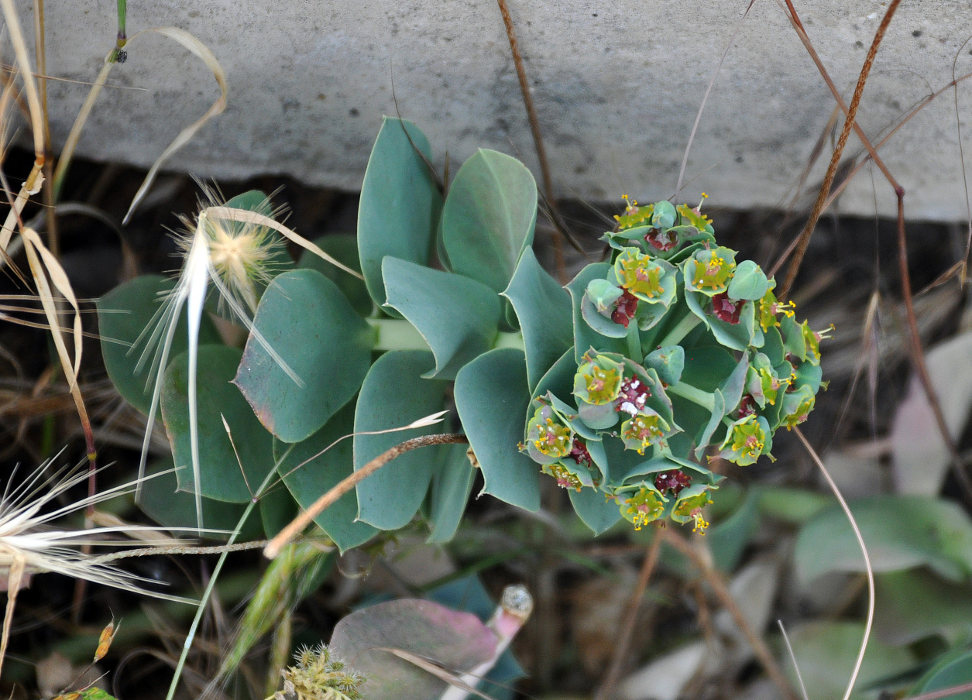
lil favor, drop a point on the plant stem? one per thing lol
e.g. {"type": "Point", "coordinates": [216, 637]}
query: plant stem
{"type": "Point", "coordinates": [693, 394]}
{"type": "Point", "coordinates": [399, 334]}
{"type": "Point", "coordinates": [682, 329]}
{"type": "Point", "coordinates": [634, 343]}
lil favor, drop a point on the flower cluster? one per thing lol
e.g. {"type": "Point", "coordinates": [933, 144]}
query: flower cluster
{"type": "Point", "coordinates": [682, 354]}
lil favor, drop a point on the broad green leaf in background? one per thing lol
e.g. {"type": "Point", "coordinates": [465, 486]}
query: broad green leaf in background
{"type": "Point", "coordinates": [221, 476]}
{"type": "Point", "coordinates": [728, 538]}
{"type": "Point", "coordinates": [309, 472]}
{"type": "Point", "coordinates": [400, 202]}
{"type": "Point", "coordinates": [543, 309]}
{"type": "Point", "coordinates": [458, 317]}
{"type": "Point", "coordinates": [312, 326]}
{"type": "Point", "coordinates": [825, 653]}
{"type": "Point", "coordinates": [915, 604]}
{"type": "Point", "coordinates": [455, 641]}
{"type": "Point", "coordinates": [123, 314]}
{"type": "Point", "coordinates": [343, 247]}
{"type": "Point", "coordinates": [452, 482]}
{"type": "Point", "coordinates": [394, 394]}
{"type": "Point", "coordinates": [901, 532]}
{"type": "Point", "coordinates": [488, 217]}
{"type": "Point", "coordinates": [492, 397]}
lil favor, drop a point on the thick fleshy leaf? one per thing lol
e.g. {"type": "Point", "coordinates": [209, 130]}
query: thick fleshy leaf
{"type": "Point", "coordinates": [584, 336]}
{"type": "Point", "coordinates": [452, 482]}
{"type": "Point", "coordinates": [400, 202]}
{"type": "Point", "coordinates": [312, 326]}
{"type": "Point", "coordinates": [394, 394]}
{"type": "Point", "coordinates": [492, 397]}
{"type": "Point", "coordinates": [123, 314]}
{"type": "Point", "coordinates": [452, 640]}
{"type": "Point", "coordinates": [488, 217]}
{"type": "Point", "coordinates": [543, 309]}
{"type": "Point", "coordinates": [166, 504]}
{"type": "Point", "coordinates": [309, 472]}
{"type": "Point", "coordinates": [901, 532]}
{"type": "Point", "coordinates": [222, 477]}
{"type": "Point", "coordinates": [457, 316]}
{"type": "Point", "coordinates": [748, 282]}
{"type": "Point", "coordinates": [594, 509]}
{"type": "Point", "coordinates": [953, 670]}
{"type": "Point", "coordinates": [343, 247]}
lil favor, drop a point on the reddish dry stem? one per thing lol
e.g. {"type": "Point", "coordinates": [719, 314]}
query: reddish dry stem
{"type": "Point", "coordinates": [804, 239]}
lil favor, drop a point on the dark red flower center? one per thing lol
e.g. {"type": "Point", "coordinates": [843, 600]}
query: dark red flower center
{"type": "Point", "coordinates": [673, 480]}
{"type": "Point", "coordinates": [725, 308]}
{"type": "Point", "coordinates": [625, 308]}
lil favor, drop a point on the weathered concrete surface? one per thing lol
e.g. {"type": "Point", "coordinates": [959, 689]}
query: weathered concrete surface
{"type": "Point", "coordinates": [617, 85]}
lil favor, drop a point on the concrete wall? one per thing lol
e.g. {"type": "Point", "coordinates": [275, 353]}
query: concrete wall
{"type": "Point", "coordinates": [617, 85]}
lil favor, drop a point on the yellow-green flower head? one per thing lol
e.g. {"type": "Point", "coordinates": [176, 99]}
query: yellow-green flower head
{"type": "Point", "coordinates": [812, 340]}
{"type": "Point", "coordinates": [711, 270]}
{"type": "Point", "coordinates": [693, 216]}
{"type": "Point", "coordinates": [548, 435]}
{"type": "Point", "coordinates": [769, 307]}
{"type": "Point", "coordinates": [598, 379]}
{"type": "Point", "coordinates": [633, 214]}
{"type": "Point", "coordinates": [640, 274]}
{"type": "Point", "coordinates": [746, 441]}
{"type": "Point", "coordinates": [643, 430]}
{"type": "Point", "coordinates": [644, 506]}
{"type": "Point", "coordinates": [566, 479]}
{"type": "Point", "coordinates": [690, 506]}
{"type": "Point", "coordinates": [797, 406]}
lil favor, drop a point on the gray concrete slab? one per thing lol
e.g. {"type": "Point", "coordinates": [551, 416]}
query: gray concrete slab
{"type": "Point", "coordinates": [617, 84]}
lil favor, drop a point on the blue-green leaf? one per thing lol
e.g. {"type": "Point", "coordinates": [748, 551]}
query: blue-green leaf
{"type": "Point", "coordinates": [123, 314]}
{"type": "Point", "coordinates": [309, 472]}
{"type": "Point", "coordinates": [394, 394]}
{"type": "Point", "coordinates": [221, 477]}
{"type": "Point", "coordinates": [492, 397]}
{"type": "Point", "coordinates": [400, 202]}
{"type": "Point", "coordinates": [488, 217]}
{"type": "Point", "coordinates": [451, 483]}
{"type": "Point", "coordinates": [304, 317]}
{"type": "Point", "coordinates": [594, 509]}
{"type": "Point", "coordinates": [543, 309]}
{"type": "Point", "coordinates": [457, 316]}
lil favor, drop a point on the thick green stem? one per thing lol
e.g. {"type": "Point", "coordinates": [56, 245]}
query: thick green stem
{"type": "Point", "coordinates": [693, 394]}
{"type": "Point", "coordinates": [399, 334]}
{"type": "Point", "coordinates": [682, 329]}
{"type": "Point", "coordinates": [634, 343]}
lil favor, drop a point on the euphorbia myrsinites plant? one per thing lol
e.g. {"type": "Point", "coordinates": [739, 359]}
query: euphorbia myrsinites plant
{"type": "Point", "coordinates": [623, 386]}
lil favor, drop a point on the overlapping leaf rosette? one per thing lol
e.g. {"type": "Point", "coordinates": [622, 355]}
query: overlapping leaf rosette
{"type": "Point", "coordinates": [682, 354]}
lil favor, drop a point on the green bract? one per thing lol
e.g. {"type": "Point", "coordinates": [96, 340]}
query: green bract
{"type": "Point", "coordinates": [620, 386]}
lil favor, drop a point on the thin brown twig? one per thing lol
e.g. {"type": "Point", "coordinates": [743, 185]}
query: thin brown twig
{"type": "Point", "coordinates": [721, 591]}
{"type": "Point", "coordinates": [531, 111]}
{"type": "Point", "coordinates": [304, 519]}
{"type": "Point", "coordinates": [918, 356]}
{"type": "Point", "coordinates": [629, 618]}
{"type": "Point", "coordinates": [804, 239]}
